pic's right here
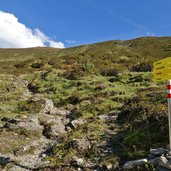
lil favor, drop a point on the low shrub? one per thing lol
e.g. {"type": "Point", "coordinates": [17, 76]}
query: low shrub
{"type": "Point", "coordinates": [142, 67]}
{"type": "Point", "coordinates": [109, 72]}
{"type": "Point", "coordinates": [145, 116]}
{"type": "Point", "coordinates": [88, 66]}
{"type": "Point", "coordinates": [74, 74]}
{"type": "Point", "coordinates": [74, 99]}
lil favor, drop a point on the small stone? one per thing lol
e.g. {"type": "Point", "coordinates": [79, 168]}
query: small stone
{"type": "Point", "coordinates": [78, 122]}
{"type": "Point", "coordinates": [109, 166]}
{"type": "Point", "coordinates": [25, 148]}
{"type": "Point", "coordinates": [43, 155]}
{"type": "Point", "coordinates": [80, 161]}
{"type": "Point", "coordinates": [24, 117]}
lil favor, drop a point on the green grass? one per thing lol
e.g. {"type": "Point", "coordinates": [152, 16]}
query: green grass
{"type": "Point", "coordinates": [72, 78]}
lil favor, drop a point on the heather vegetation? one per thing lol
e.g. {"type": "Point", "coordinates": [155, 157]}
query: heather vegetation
{"type": "Point", "coordinates": [96, 103]}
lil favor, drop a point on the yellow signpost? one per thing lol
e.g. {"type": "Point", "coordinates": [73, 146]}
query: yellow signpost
{"type": "Point", "coordinates": [162, 72]}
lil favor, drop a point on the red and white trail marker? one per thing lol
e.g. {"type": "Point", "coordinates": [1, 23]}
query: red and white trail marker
{"type": "Point", "coordinates": [169, 109]}
{"type": "Point", "coordinates": [169, 89]}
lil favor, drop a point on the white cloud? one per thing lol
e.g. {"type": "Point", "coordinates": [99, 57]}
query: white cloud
{"type": "Point", "coordinates": [14, 34]}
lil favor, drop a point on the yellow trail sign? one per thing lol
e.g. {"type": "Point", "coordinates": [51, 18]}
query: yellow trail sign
{"type": "Point", "coordinates": [162, 70]}
{"type": "Point", "coordinates": [162, 62]}
{"type": "Point", "coordinates": [162, 78]}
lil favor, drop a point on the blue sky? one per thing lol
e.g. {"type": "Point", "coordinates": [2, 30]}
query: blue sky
{"type": "Point", "coordinates": [76, 22]}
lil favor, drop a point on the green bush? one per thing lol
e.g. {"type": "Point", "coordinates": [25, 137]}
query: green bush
{"type": "Point", "coordinates": [88, 66]}
{"type": "Point", "coordinates": [74, 74]}
{"type": "Point", "coordinates": [137, 137]}
{"type": "Point", "coordinates": [142, 67]}
{"type": "Point", "coordinates": [109, 72]}
{"type": "Point", "coordinates": [147, 105]}
{"type": "Point", "coordinates": [75, 99]}
{"type": "Point", "coordinates": [145, 116]}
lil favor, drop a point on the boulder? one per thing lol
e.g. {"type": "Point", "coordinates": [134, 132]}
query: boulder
{"type": "Point", "coordinates": [30, 124]}
{"type": "Point", "coordinates": [164, 162]}
{"type": "Point", "coordinates": [158, 151]}
{"type": "Point", "coordinates": [134, 163]}
{"type": "Point", "coordinates": [53, 126]}
{"type": "Point", "coordinates": [154, 161]}
{"type": "Point", "coordinates": [57, 128]}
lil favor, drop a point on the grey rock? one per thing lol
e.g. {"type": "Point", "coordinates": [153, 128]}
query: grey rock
{"type": "Point", "coordinates": [78, 122]}
{"type": "Point", "coordinates": [48, 106]}
{"type": "Point", "coordinates": [106, 117]}
{"type": "Point", "coordinates": [163, 159]}
{"type": "Point", "coordinates": [43, 155]}
{"type": "Point", "coordinates": [169, 155]}
{"type": "Point", "coordinates": [154, 161]}
{"type": "Point", "coordinates": [134, 163]}
{"type": "Point", "coordinates": [164, 162]}
{"type": "Point", "coordinates": [57, 128]}
{"type": "Point", "coordinates": [28, 161]}
{"type": "Point", "coordinates": [57, 111]}
{"type": "Point", "coordinates": [30, 124]}
{"type": "Point", "coordinates": [53, 125]}
{"type": "Point", "coordinates": [159, 168]}
{"type": "Point", "coordinates": [151, 156]}
{"type": "Point", "coordinates": [158, 151]}
{"type": "Point", "coordinates": [79, 161]}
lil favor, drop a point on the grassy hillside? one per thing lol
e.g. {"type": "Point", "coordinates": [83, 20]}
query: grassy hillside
{"type": "Point", "coordinates": [117, 54]}
{"type": "Point", "coordinates": [115, 110]}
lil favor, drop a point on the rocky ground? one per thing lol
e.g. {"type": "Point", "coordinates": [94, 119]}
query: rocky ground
{"type": "Point", "coordinates": [27, 141]}
{"type": "Point", "coordinates": [36, 134]}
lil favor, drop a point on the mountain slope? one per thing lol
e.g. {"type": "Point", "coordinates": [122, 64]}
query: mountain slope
{"type": "Point", "coordinates": [89, 106]}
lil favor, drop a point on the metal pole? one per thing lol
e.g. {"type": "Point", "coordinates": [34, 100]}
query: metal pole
{"type": "Point", "coordinates": [169, 110]}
